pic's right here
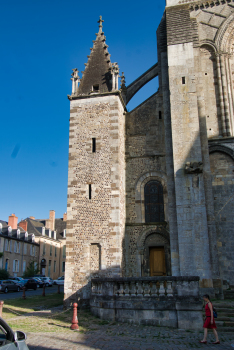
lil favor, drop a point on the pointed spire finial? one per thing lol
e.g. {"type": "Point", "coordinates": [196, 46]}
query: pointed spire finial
{"type": "Point", "coordinates": [100, 21]}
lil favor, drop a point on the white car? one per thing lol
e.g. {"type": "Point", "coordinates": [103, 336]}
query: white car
{"type": "Point", "coordinates": [48, 281]}
{"type": "Point", "coordinates": [59, 281]}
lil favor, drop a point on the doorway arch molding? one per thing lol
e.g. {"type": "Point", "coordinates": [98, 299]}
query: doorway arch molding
{"type": "Point", "coordinates": [157, 230]}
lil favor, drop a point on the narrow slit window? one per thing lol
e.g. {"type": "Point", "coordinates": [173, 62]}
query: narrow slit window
{"type": "Point", "coordinates": [93, 145]}
{"type": "Point", "coordinates": [96, 88]}
{"type": "Point", "coordinates": [183, 80]}
{"type": "Point", "coordinates": [90, 191]}
{"type": "Point", "coordinates": [160, 115]}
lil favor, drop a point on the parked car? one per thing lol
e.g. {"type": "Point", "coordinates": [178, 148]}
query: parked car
{"type": "Point", "coordinates": [39, 282]}
{"type": "Point", "coordinates": [8, 285]}
{"type": "Point", "coordinates": [59, 281]}
{"type": "Point", "coordinates": [18, 280]}
{"type": "Point", "coordinates": [48, 281]}
{"type": "Point", "coordinates": [10, 340]}
{"type": "Point", "coordinates": [31, 284]}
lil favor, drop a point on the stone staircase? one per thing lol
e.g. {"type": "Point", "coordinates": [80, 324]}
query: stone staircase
{"type": "Point", "coordinates": [225, 310]}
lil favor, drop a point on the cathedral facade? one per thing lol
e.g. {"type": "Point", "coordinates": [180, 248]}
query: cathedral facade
{"type": "Point", "coordinates": [151, 191]}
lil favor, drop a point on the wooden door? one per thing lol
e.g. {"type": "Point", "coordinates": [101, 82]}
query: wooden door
{"type": "Point", "coordinates": [157, 261]}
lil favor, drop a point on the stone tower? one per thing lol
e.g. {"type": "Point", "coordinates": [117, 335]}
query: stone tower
{"type": "Point", "coordinates": [96, 176]}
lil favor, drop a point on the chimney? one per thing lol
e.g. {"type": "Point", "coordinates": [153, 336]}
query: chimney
{"type": "Point", "coordinates": [52, 220]}
{"type": "Point", "coordinates": [32, 217]}
{"type": "Point", "coordinates": [65, 217]}
{"type": "Point", "coordinates": [12, 221]}
{"type": "Point", "coordinates": [23, 224]}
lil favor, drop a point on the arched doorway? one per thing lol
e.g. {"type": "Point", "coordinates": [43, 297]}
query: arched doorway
{"type": "Point", "coordinates": [156, 256]}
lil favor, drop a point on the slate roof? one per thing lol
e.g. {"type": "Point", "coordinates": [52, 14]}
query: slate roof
{"type": "Point", "coordinates": [35, 226]}
{"type": "Point", "coordinates": [14, 234]}
{"type": "Point", "coordinates": [4, 223]}
{"type": "Point", "coordinates": [60, 225]}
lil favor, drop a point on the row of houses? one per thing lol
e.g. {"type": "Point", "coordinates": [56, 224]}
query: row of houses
{"type": "Point", "coordinates": [41, 241]}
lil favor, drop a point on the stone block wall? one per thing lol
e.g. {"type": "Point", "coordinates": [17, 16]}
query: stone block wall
{"type": "Point", "coordinates": [145, 161]}
{"type": "Point", "coordinates": [95, 227]}
{"type": "Point", "coordinates": [222, 168]}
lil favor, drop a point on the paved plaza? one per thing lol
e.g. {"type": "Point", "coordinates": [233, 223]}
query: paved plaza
{"type": "Point", "coordinates": [126, 337]}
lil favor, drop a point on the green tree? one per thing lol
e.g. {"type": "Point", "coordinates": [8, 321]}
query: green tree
{"type": "Point", "coordinates": [4, 275]}
{"type": "Point", "coordinates": [31, 270]}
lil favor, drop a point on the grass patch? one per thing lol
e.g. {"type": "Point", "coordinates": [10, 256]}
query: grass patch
{"type": "Point", "coordinates": [35, 303]}
{"type": "Point", "coordinates": [21, 315]}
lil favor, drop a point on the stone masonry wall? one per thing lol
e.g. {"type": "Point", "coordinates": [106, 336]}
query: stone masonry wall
{"type": "Point", "coordinates": [222, 168]}
{"type": "Point", "coordinates": [190, 195]}
{"type": "Point", "coordinates": [99, 220]}
{"type": "Point", "coordinates": [145, 160]}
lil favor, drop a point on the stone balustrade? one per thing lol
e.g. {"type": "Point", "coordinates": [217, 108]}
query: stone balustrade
{"type": "Point", "coordinates": [164, 301]}
{"type": "Point", "coordinates": [168, 287]}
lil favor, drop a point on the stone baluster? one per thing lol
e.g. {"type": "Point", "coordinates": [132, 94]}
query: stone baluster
{"type": "Point", "coordinates": [154, 292]}
{"type": "Point", "coordinates": [133, 289]}
{"type": "Point", "coordinates": [126, 289]}
{"type": "Point", "coordinates": [94, 288]}
{"type": "Point", "coordinates": [117, 289]}
{"type": "Point", "coordinates": [146, 289]}
{"type": "Point", "coordinates": [100, 288]}
{"type": "Point", "coordinates": [161, 289]}
{"type": "Point", "coordinates": [169, 289]}
{"type": "Point", "coordinates": [139, 289]}
{"type": "Point", "coordinates": [121, 289]}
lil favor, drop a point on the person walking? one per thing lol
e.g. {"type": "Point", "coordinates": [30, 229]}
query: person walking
{"type": "Point", "coordinates": [209, 320]}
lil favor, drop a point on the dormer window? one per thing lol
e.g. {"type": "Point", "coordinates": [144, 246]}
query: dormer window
{"type": "Point", "coordinates": [18, 233]}
{"type": "Point", "coordinates": [96, 88]}
{"type": "Point", "coordinates": [9, 230]}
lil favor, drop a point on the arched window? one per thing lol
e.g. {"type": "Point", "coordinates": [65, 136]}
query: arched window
{"type": "Point", "coordinates": [154, 207]}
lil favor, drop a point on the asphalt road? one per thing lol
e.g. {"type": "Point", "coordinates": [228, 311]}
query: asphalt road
{"type": "Point", "coordinates": [14, 295]}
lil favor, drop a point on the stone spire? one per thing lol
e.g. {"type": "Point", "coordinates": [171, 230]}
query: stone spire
{"type": "Point", "coordinates": [100, 21]}
{"type": "Point", "coordinates": [100, 75]}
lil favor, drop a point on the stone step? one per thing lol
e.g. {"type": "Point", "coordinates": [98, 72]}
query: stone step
{"type": "Point", "coordinates": [225, 329]}
{"type": "Point", "coordinates": [228, 294]}
{"type": "Point", "coordinates": [225, 314]}
{"type": "Point", "coordinates": [225, 310]}
{"type": "Point", "coordinates": [225, 324]}
{"type": "Point", "coordinates": [225, 318]}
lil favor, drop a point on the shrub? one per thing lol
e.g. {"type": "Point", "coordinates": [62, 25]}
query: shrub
{"type": "Point", "coordinates": [4, 274]}
{"type": "Point", "coordinates": [31, 270]}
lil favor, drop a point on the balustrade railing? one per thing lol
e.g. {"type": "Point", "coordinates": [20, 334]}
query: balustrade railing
{"type": "Point", "coordinates": [146, 287]}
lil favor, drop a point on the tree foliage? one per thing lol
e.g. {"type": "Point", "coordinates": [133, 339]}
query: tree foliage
{"type": "Point", "coordinates": [4, 274]}
{"type": "Point", "coordinates": [31, 270]}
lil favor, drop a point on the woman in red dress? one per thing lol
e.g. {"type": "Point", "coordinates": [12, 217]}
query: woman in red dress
{"type": "Point", "coordinates": [209, 320]}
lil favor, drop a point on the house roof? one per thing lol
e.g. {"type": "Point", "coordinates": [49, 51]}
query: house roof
{"type": "Point", "coordinates": [60, 225]}
{"type": "Point", "coordinates": [4, 223]}
{"type": "Point", "coordinates": [14, 234]}
{"type": "Point", "coordinates": [35, 226]}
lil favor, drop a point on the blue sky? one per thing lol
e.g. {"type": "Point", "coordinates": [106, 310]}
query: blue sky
{"type": "Point", "coordinates": [41, 41]}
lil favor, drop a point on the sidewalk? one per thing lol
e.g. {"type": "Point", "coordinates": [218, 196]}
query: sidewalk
{"type": "Point", "coordinates": [126, 337]}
